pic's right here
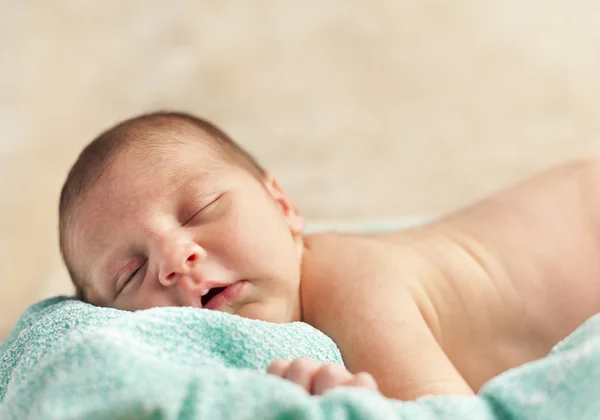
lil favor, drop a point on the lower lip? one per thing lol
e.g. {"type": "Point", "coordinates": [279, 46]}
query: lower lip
{"type": "Point", "coordinates": [230, 294]}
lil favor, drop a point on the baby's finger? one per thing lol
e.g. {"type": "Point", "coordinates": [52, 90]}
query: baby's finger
{"type": "Point", "coordinates": [279, 367]}
{"type": "Point", "coordinates": [301, 372]}
{"type": "Point", "coordinates": [363, 380]}
{"type": "Point", "coordinates": [330, 376]}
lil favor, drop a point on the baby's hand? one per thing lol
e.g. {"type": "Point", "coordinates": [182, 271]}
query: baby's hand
{"type": "Point", "coordinates": [317, 378]}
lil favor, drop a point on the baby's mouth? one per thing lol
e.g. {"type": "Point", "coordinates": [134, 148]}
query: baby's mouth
{"type": "Point", "coordinates": [210, 295]}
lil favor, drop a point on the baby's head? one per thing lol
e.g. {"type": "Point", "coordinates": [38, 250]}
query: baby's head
{"type": "Point", "coordinates": [166, 210]}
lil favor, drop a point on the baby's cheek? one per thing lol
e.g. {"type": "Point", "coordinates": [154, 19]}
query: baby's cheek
{"type": "Point", "coordinates": [150, 295]}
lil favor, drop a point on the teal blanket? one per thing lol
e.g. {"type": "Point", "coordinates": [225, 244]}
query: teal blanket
{"type": "Point", "coordinates": [69, 360]}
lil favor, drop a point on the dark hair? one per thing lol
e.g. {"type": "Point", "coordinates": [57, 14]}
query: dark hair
{"type": "Point", "coordinates": [98, 155]}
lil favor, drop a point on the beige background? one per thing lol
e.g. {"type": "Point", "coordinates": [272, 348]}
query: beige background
{"type": "Point", "coordinates": [363, 109]}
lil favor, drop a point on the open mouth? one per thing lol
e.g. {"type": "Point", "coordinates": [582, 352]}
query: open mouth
{"type": "Point", "coordinates": [210, 295]}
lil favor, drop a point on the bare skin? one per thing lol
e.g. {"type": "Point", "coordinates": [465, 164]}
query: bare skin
{"type": "Point", "coordinates": [317, 379]}
{"type": "Point", "coordinates": [439, 309]}
{"type": "Point", "coordinates": [443, 308]}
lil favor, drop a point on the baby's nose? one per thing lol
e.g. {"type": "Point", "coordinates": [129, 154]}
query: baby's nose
{"type": "Point", "coordinates": [177, 259]}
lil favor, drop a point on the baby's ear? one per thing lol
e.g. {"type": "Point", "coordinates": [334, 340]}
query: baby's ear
{"type": "Point", "coordinates": [294, 218]}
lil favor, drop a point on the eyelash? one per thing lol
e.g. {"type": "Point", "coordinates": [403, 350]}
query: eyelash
{"type": "Point", "coordinates": [132, 275]}
{"type": "Point", "coordinates": [193, 217]}
{"type": "Point", "coordinates": [203, 207]}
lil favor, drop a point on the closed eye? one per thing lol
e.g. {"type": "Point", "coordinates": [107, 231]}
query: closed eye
{"type": "Point", "coordinates": [214, 199]}
{"type": "Point", "coordinates": [193, 217]}
{"type": "Point", "coordinates": [132, 275]}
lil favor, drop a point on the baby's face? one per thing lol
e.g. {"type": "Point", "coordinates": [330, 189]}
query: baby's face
{"type": "Point", "coordinates": [180, 226]}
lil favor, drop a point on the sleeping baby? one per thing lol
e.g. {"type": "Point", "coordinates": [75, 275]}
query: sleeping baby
{"type": "Point", "coordinates": [166, 210]}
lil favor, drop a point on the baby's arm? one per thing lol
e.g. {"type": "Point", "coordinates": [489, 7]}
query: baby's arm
{"type": "Point", "coordinates": [406, 361]}
{"type": "Point", "coordinates": [316, 378]}
{"type": "Point", "coordinates": [352, 293]}
{"type": "Point", "coordinates": [402, 354]}
{"type": "Point", "coordinates": [404, 382]}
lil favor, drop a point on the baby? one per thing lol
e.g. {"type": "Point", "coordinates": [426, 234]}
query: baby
{"type": "Point", "coordinates": [166, 210]}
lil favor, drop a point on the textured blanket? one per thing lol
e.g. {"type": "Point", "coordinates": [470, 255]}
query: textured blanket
{"type": "Point", "coordinates": [69, 360]}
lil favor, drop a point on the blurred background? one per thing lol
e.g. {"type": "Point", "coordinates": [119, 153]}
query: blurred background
{"type": "Point", "coordinates": [364, 110]}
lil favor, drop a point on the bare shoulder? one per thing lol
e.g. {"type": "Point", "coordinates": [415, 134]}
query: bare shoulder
{"type": "Point", "coordinates": [363, 292]}
{"type": "Point", "coordinates": [364, 285]}
{"type": "Point", "coordinates": [392, 272]}
{"type": "Point", "coordinates": [340, 268]}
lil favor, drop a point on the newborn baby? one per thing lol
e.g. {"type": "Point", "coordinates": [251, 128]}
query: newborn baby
{"type": "Point", "coordinates": [166, 210]}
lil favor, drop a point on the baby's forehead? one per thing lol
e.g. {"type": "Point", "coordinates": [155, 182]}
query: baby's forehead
{"type": "Point", "coordinates": [159, 144]}
{"type": "Point", "coordinates": [173, 156]}
{"type": "Point", "coordinates": [139, 180]}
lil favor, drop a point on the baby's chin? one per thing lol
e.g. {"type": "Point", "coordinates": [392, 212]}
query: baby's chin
{"type": "Point", "coordinates": [275, 313]}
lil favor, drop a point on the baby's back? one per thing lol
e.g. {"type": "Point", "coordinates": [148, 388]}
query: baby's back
{"type": "Point", "coordinates": [497, 284]}
{"type": "Point", "coordinates": [536, 275]}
